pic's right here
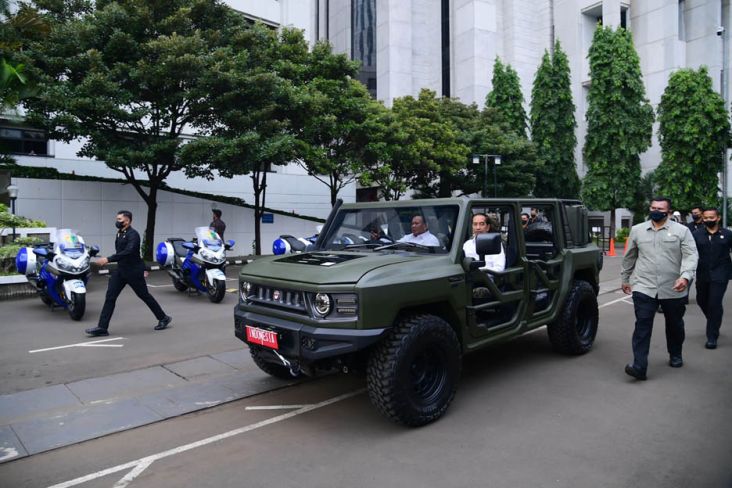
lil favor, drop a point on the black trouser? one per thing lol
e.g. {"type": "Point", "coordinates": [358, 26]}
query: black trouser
{"type": "Point", "coordinates": [709, 295]}
{"type": "Point", "coordinates": [645, 312]}
{"type": "Point", "coordinates": [117, 281]}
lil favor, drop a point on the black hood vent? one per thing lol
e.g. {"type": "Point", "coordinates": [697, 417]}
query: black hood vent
{"type": "Point", "coordinates": [319, 259]}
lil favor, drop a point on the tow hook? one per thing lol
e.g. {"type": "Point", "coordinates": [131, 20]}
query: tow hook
{"type": "Point", "coordinates": [294, 368]}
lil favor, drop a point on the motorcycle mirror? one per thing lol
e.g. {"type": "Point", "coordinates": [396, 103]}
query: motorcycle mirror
{"type": "Point", "coordinates": [94, 250]}
{"type": "Point", "coordinates": [231, 242]}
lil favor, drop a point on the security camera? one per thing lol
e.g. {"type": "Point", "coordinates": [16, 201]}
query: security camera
{"type": "Point", "coordinates": [720, 30]}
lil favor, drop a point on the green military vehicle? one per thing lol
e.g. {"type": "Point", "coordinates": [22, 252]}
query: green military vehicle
{"type": "Point", "coordinates": [365, 298]}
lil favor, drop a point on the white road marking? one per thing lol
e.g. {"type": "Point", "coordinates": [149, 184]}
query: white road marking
{"type": "Point", "coordinates": [276, 407]}
{"type": "Point", "coordinates": [83, 344]}
{"type": "Point", "coordinates": [139, 465]}
{"type": "Point", "coordinates": [159, 286]}
{"type": "Point", "coordinates": [623, 299]}
{"type": "Point", "coordinates": [8, 453]}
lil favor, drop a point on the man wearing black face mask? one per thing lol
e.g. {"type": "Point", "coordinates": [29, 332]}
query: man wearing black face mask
{"type": "Point", "coordinates": [659, 264]}
{"type": "Point", "coordinates": [696, 222]}
{"type": "Point", "coordinates": [714, 271]}
{"type": "Point", "coordinates": [130, 271]}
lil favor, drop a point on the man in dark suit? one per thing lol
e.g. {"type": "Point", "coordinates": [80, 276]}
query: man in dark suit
{"type": "Point", "coordinates": [714, 271]}
{"type": "Point", "coordinates": [696, 219]}
{"type": "Point", "coordinates": [130, 271]}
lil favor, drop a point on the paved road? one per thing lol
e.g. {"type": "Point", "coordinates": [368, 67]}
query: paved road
{"type": "Point", "coordinates": [523, 416]}
{"type": "Point", "coordinates": [199, 328]}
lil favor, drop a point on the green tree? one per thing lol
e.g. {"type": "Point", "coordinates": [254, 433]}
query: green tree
{"type": "Point", "coordinates": [552, 127]}
{"type": "Point", "coordinates": [410, 145]}
{"type": "Point", "coordinates": [646, 189]}
{"type": "Point", "coordinates": [333, 130]}
{"type": "Point", "coordinates": [123, 79]}
{"type": "Point", "coordinates": [694, 133]}
{"type": "Point", "coordinates": [619, 122]}
{"type": "Point", "coordinates": [506, 98]}
{"type": "Point", "coordinates": [246, 107]}
{"type": "Point", "coordinates": [17, 29]}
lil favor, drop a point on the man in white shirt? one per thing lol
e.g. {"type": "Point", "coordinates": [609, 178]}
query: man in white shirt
{"type": "Point", "coordinates": [494, 262]}
{"type": "Point", "coordinates": [420, 234]}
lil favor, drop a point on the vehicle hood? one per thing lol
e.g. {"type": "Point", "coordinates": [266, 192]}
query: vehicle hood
{"type": "Point", "coordinates": [324, 267]}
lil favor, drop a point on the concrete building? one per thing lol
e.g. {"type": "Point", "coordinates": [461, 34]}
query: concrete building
{"type": "Point", "coordinates": [449, 46]}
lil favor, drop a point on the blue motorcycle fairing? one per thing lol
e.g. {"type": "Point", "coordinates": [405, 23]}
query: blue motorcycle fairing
{"type": "Point", "coordinates": [50, 280]}
{"type": "Point", "coordinates": [194, 272]}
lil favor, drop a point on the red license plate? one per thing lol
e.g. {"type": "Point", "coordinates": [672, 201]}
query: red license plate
{"type": "Point", "coordinates": [265, 338]}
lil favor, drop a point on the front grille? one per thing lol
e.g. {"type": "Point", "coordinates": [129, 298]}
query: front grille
{"type": "Point", "coordinates": [290, 300]}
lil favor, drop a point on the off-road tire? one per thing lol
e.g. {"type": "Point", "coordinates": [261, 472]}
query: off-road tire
{"type": "Point", "coordinates": [574, 330]}
{"type": "Point", "coordinates": [217, 291]}
{"type": "Point", "coordinates": [276, 370]}
{"type": "Point", "coordinates": [179, 285]}
{"type": "Point", "coordinates": [76, 305]}
{"type": "Point", "coordinates": [413, 373]}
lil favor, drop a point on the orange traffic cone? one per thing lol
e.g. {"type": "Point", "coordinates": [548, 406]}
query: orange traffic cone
{"type": "Point", "coordinates": [611, 252]}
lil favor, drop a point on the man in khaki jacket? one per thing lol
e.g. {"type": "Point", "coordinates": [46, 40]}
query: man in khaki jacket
{"type": "Point", "coordinates": [660, 262]}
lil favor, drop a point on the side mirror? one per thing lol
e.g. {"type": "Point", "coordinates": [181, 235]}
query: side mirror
{"type": "Point", "coordinates": [230, 243]}
{"type": "Point", "coordinates": [488, 244]}
{"type": "Point", "coordinates": [93, 251]}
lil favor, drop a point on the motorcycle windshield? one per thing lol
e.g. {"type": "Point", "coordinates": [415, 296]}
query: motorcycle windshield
{"type": "Point", "coordinates": [207, 237]}
{"type": "Point", "coordinates": [69, 243]}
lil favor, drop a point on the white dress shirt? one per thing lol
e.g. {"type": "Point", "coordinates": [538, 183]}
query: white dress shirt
{"type": "Point", "coordinates": [424, 239]}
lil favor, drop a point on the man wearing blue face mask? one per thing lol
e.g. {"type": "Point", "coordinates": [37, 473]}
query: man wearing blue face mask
{"type": "Point", "coordinates": [660, 262]}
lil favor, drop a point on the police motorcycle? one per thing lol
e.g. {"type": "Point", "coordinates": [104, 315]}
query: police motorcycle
{"type": "Point", "coordinates": [287, 244]}
{"type": "Point", "coordinates": [59, 271]}
{"type": "Point", "coordinates": [198, 264]}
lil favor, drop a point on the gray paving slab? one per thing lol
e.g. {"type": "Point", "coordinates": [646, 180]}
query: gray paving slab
{"type": "Point", "coordinates": [186, 399]}
{"type": "Point", "coordinates": [42, 434]}
{"type": "Point", "coordinates": [24, 404]}
{"type": "Point", "coordinates": [125, 384]}
{"type": "Point", "coordinates": [10, 446]}
{"type": "Point", "coordinates": [239, 359]}
{"type": "Point", "coordinates": [199, 367]}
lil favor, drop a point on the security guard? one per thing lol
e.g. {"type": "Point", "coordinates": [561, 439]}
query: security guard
{"type": "Point", "coordinates": [130, 271]}
{"type": "Point", "coordinates": [714, 272]}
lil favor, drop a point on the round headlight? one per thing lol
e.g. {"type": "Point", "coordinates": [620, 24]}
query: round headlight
{"type": "Point", "coordinates": [245, 289]}
{"type": "Point", "coordinates": [322, 304]}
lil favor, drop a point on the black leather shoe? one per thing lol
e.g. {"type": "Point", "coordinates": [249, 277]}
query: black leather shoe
{"type": "Point", "coordinates": [97, 331]}
{"type": "Point", "coordinates": [163, 322]}
{"type": "Point", "coordinates": [675, 362]}
{"type": "Point", "coordinates": [635, 372]}
{"type": "Point", "coordinates": [711, 344]}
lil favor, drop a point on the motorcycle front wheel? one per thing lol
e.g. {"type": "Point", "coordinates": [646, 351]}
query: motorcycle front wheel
{"type": "Point", "coordinates": [179, 285]}
{"type": "Point", "coordinates": [76, 305]}
{"type": "Point", "coordinates": [216, 291]}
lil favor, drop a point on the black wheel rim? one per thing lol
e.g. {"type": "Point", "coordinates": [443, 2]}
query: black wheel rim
{"type": "Point", "coordinates": [585, 321]}
{"type": "Point", "coordinates": [428, 375]}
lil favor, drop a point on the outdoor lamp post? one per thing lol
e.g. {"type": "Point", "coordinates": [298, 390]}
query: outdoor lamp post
{"type": "Point", "coordinates": [496, 162]}
{"type": "Point", "coordinates": [13, 194]}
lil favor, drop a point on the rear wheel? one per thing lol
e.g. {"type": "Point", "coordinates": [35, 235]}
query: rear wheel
{"type": "Point", "coordinates": [574, 330]}
{"type": "Point", "coordinates": [76, 305]}
{"type": "Point", "coordinates": [277, 370]}
{"type": "Point", "coordinates": [216, 291]}
{"type": "Point", "coordinates": [413, 374]}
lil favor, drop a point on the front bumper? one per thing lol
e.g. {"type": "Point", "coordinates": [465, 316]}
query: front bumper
{"type": "Point", "coordinates": [306, 343]}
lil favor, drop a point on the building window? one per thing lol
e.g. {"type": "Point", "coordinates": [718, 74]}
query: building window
{"type": "Point", "coordinates": [22, 140]}
{"type": "Point", "coordinates": [363, 41]}
{"type": "Point", "coordinates": [445, 48]}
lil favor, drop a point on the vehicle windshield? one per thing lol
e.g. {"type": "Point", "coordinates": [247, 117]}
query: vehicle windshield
{"type": "Point", "coordinates": [428, 229]}
{"type": "Point", "coordinates": [208, 238]}
{"type": "Point", "coordinates": [69, 243]}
